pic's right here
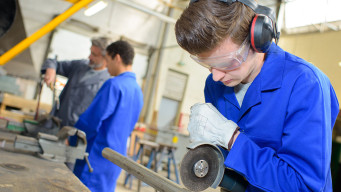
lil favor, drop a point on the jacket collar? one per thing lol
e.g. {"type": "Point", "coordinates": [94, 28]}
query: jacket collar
{"type": "Point", "coordinates": [127, 74]}
{"type": "Point", "coordinates": [271, 75]}
{"type": "Point", "coordinates": [269, 78]}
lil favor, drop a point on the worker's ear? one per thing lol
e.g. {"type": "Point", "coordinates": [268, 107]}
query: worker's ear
{"type": "Point", "coordinates": [118, 58]}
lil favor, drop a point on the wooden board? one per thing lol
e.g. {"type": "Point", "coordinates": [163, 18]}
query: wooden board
{"type": "Point", "coordinates": [25, 105]}
{"type": "Point", "coordinates": [22, 172]}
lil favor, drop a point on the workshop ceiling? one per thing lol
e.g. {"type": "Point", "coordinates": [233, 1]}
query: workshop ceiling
{"type": "Point", "coordinates": [142, 22]}
{"type": "Point", "coordinates": [121, 19]}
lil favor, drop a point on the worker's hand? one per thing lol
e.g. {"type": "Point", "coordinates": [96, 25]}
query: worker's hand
{"type": "Point", "coordinates": [207, 124]}
{"type": "Point", "coordinates": [66, 142]}
{"type": "Point", "coordinates": [50, 76]}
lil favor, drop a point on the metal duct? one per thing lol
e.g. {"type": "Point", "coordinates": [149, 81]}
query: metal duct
{"type": "Point", "coordinates": [7, 14]}
{"type": "Point", "coordinates": [163, 17]}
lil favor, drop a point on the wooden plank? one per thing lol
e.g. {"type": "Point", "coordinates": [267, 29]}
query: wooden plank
{"type": "Point", "coordinates": [25, 105]}
{"type": "Point", "coordinates": [20, 172]}
{"type": "Point", "coordinates": [15, 116]}
{"type": "Point", "coordinates": [6, 135]}
{"type": "Point", "coordinates": [146, 175]}
{"type": "Point", "coordinates": [22, 103]}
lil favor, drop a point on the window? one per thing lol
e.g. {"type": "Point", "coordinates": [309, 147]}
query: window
{"type": "Point", "coordinates": [300, 13]}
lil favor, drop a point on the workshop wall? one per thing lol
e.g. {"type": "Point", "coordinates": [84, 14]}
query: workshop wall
{"type": "Point", "coordinates": [321, 49]}
{"type": "Point", "coordinates": [175, 58]}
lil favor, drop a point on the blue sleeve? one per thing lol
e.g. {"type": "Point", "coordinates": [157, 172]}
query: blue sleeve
{"type": "Point", "coordinates": [335, 107]}
{"type": "Point", "coordinates": [208, 96]}
{"type": "Point", "coordinates": [100, 109]}
{"type": "Point", "coordinates": [302, 163]}
{"type": "Point", "coordinates": [64, 68]}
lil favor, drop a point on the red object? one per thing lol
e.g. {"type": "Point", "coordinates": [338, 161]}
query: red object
{"type": "Point", "coordinates": [252, 33]}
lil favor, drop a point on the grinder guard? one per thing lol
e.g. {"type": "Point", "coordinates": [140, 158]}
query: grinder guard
{"type": "Point", "coordinates": [198, 176]}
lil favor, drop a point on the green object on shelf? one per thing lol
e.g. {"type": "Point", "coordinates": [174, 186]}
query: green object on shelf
{"type": "Point", "coordinates": [15, 126]}
{"type": "Point", "coordinates": [31, 121]}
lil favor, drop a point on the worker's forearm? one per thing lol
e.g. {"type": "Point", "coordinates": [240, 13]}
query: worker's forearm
{"type": "Point", "coordinates": [233, 139]}
{"type": "Point", "coordinates": [49, 63]}
{"type": "Point", "coordinates": [50, 76]}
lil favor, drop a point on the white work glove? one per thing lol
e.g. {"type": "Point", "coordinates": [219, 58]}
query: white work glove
{"type": "Point", "coordinates": [207, 124]}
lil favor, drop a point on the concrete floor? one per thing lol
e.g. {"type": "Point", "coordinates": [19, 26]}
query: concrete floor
{"type": "Point", "coordinates": [145, 188]}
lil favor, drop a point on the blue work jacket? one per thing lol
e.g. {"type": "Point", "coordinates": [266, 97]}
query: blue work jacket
{"type": "Point", "coordinates": [286, 122]}
{"type": "Point", "coordinates": [108, 122]}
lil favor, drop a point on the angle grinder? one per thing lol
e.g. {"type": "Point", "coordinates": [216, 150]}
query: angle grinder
{"type": "Point", "coordinates": [203, 167]}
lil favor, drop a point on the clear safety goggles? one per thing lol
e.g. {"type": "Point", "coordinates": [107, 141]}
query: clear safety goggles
{"type": "Point", "coordinates": [229, 61]}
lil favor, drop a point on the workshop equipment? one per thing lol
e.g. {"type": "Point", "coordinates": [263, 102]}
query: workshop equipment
{"type": "Point", "coordinates": [45, 124]}
{"type": "Point", "coordinates": [41, 83]}
{"type": "Point", "coordinates": [172, 137]}
{"type": "Point", "coordinates": [7, 14]}
{"type": "Point", "coordinates": [23, 108]}
{"type": "Point", "coordinates": [203, 167]}
{"type": "Point", "coordinates": [168, 150]}
{"type": "Point", "coordinates": [164, 150]}
{"type": "Point", "coordinates": [16, 127]}
{"type": "Point", "coordinates": [146, 175]}
{"type": "Point", "coordinates": [3, 123]}
{"type": "Point", "coordinates": [25, 172]}
{"type": "Point", "coordinates": [153, 147]}
{"type": "Point", "coordinates": [53, 147]}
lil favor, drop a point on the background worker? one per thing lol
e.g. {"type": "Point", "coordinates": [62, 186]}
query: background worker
{"type": "Point", "coordinates": [110, 119]}
{"type": "Point", "coordinates": [273, 111]}
{"type": "Point", "coordinates": [85, 77]}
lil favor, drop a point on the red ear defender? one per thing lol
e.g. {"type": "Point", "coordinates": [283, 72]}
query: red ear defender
{"type": "Point", "coordinates": [252, 35]}
{"type": "Point", "coordinates": [261, 33]}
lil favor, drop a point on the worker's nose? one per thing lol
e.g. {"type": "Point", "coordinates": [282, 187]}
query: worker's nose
{"type": "Point", "coordinates": [217, 74]}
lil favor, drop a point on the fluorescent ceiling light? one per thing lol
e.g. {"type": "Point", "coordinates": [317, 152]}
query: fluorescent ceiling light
{"type": "Point", "coordinates": [95, 8]}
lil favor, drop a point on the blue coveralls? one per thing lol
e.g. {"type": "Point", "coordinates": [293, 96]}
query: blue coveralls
{"type": "Point", "coordinates": [286, 122]}
{"type": "Point", "coordinates": [108, 122]}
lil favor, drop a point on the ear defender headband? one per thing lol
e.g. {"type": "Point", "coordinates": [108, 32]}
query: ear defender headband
{"type": "Point", "coordinates": [263, 26]}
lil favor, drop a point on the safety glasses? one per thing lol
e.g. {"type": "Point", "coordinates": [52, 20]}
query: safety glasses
{"type": "Point", "coordinates": [229, 61]}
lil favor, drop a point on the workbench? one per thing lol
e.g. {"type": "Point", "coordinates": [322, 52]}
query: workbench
{"type": "Point", "coordinates": [27, 172]}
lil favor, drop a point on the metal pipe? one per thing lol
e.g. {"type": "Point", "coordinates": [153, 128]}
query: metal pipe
{"type": "Point", "coordinates": [149, 109]}
{"type": "Point", "coordinates": [146, 10]}
{"type": "Point", "coordinates": [148, 176]}
{"type": "Point", "coordinates": [20, 47]}
{"type": "Point", "coordinates": [280, 10]}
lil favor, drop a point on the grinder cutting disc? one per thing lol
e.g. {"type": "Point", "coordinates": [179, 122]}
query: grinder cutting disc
{"type": "Point", "coordinates": [200, 167]}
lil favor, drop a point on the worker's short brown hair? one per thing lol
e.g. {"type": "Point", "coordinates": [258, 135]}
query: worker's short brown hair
{"type": "Point", "coordinates": [206, 23]}
{"type": "Point", "coordinates": [124, 49]}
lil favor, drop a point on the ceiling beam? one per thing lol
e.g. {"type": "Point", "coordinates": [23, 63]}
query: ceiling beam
{"type": "Point", "coordinates": [24, 44]}
{"type": "Point", "coordinates": [134, 5]}
{"type": "Point", "coordinates": [278, 6]}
